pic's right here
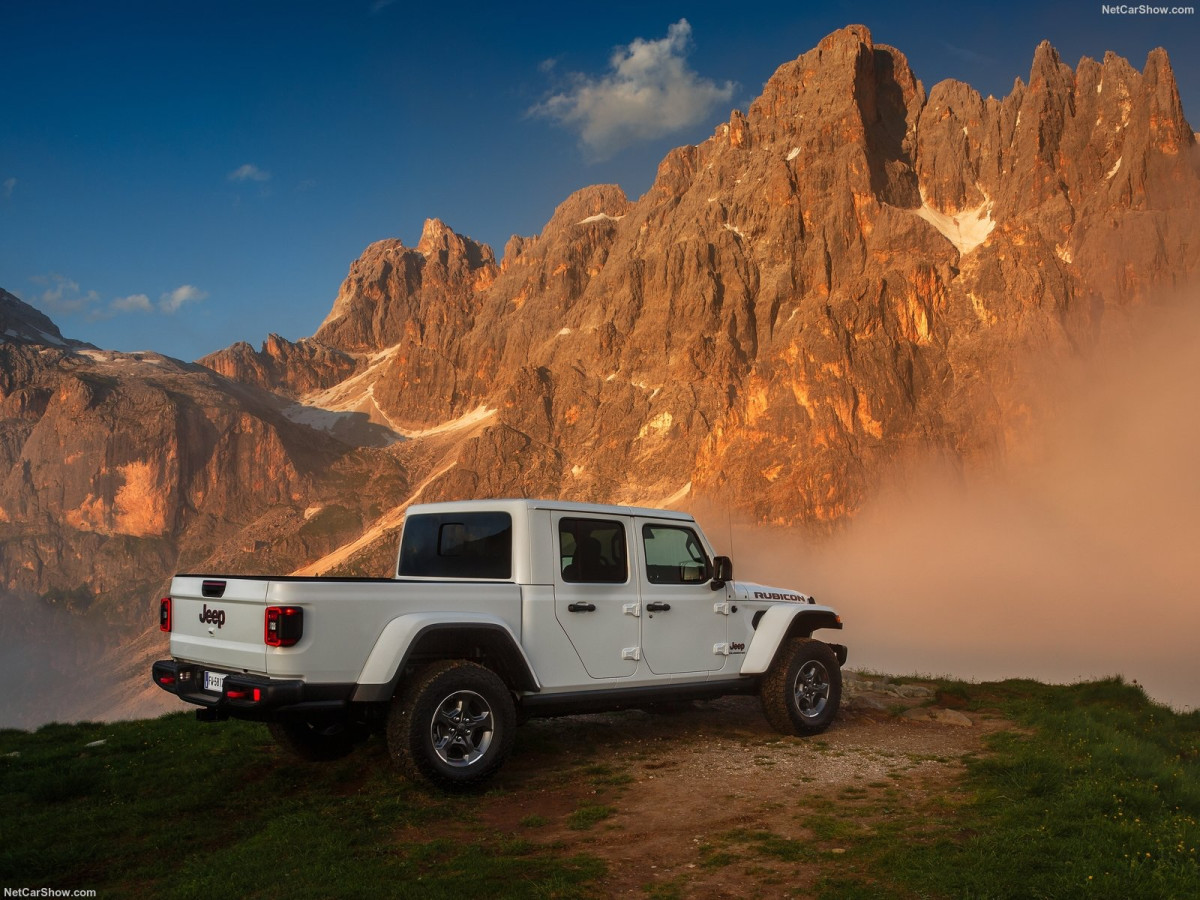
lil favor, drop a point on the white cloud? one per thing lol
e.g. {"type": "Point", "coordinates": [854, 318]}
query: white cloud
{"type": "Point", "coordinates": [249, 172]}
{"type": "Point", "coordinates": [648, 93]}
{"type": "Point", "coordinates": [185, 293]}
{"type": "Point", "coordinates": [132, 303]}
{"type": "Point", "coordinates": [62, 295]}
{"type": "Point", "coordinates": [9, 184]}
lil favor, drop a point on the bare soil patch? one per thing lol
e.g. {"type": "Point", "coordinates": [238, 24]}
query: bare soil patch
{"type": "Point", "coordinates": [709, 801]}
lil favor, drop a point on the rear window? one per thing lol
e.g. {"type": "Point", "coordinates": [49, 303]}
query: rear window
{"type": "Point", "coordinates": [457, 545]}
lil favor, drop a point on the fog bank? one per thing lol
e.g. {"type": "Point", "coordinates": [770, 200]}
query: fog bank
{"type": "Point", "coordinates": [1078, 560]}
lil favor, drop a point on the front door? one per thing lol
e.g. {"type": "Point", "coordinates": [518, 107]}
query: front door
{"type": "Point", "coordinates": [596, 593]}
{"type": "Point", "coordinates": [681, 625]}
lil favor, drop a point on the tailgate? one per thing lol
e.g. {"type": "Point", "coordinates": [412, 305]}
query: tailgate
{"type": "Point", "coordinates": [218, 621]}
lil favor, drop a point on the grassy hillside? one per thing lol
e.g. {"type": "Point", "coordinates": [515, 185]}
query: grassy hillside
{"type": "Point", "coordinates": [1087, 791]}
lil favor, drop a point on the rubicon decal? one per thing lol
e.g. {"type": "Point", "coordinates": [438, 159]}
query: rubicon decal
{"type": "Point", "coordinates": [213, 616]}
{"type": "Point", "coordinates": [772, 595]}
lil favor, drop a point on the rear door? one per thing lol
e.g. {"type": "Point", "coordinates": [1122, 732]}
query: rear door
{"type": "Point", "coordinates": [219, 622]}
{"type": "Point", "coordinates": [595, 592]}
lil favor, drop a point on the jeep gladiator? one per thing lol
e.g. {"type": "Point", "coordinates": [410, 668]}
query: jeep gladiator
{"type": "Point", "coordinates": [499, 610]}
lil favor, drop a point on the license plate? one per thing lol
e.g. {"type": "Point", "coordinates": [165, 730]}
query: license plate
{"type": "Point", "coordinates": [213, 681]}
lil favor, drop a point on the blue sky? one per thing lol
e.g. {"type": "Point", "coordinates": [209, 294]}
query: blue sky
{"type": "Point", "coordinates": [180, 175]}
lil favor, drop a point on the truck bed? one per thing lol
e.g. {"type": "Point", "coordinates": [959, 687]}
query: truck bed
{"type": "Point", "coordinates": [219, 620]}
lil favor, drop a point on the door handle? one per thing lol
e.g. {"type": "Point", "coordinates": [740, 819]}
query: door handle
{"type": "Point", "coordinates": [658, 607]}
{"type": "Point", "coordinates": [581, 607]}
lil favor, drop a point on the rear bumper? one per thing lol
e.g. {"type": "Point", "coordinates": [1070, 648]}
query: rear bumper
{"type": "Point", "coordinates": [253, 697]}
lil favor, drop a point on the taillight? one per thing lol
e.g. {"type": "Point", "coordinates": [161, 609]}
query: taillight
{"type": "Point", "coordinates": [164, 614]}
{"type": "Point", "coordinates": [254, 695]}
{"type": "Point", "coordinates": [284, 626]}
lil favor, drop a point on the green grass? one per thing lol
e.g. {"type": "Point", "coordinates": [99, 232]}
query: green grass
{"type": "Point", "coordinates": [589, 814]}
{"type": "Point", "coordinates": [602, 774]}
{"type": "Point", "coordinates": [767, 844]}
{"type": "Point", "coordinates": [673, 889]}
{"type": "Point", "coordinates": [1097, 795]}
{"type": "Point", "coordinates": [173, 808]}
{"type": "Point", "coordinates": [1094, 792]}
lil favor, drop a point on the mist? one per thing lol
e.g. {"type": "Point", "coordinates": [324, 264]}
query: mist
{"type": "Point", "coordinates": [48, 662]}
{"type": "Point", "coordinates": [1076, 559]}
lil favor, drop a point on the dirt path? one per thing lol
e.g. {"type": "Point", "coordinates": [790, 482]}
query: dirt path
{"type": "Point", "coordinates": [709, 801]}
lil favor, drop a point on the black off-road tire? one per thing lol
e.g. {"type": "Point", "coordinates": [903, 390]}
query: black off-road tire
{"type": "Point", "coordinates": [452, 725]}
{"type": "Point", "coordinates": [802, 690]}
{"type": "Point", "coordinates": [314, 741]}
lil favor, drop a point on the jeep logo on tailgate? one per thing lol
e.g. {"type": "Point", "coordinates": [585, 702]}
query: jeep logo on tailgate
{"type": "Point", "coordinates": [212, 616]}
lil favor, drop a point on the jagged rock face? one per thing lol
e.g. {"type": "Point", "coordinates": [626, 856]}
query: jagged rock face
{"type": "Point", "coordinates": [110, 451]}
{"type": "Point", "coordinates": [1089, 167]}
{"type": "Point", "coordinates": [288, 368]}
{"type": "Point", "coordinates": [117, 468]}
{"type": "Point", "coordinates": [838, 278]}
{"type": "Point", "coordinates": [419, 304]}
{"type": "Point", "coordinates": [423, 295]}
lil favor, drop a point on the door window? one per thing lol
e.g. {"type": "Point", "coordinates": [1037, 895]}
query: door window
{"type": "Point", "coordinates": [674, 555]}
{"type": "Point", "coordinates": [592, 551]}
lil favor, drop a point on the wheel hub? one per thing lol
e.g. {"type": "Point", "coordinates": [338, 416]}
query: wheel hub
{"type": "Point", "coordinates": [812, 689]}
{"type": "Point", "coordinates": [461, 729]}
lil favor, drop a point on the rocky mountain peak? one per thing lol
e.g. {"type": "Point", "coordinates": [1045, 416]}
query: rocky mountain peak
{"type": "Point", "coordinates": [597, 203]}
{"type": "Point", "coordinates": [1168, 127]}
{"type": "Point", "coordinates": [846, 40]}
{"type": "Point", "coordinates": [847, 98]}
{"type": "Point", "coordinates": [1047, 66]}
{"type": "Point", "coordinates": [394, 294]}
{"type": "Point", "coordinates": [20, 322]}
{"type": "Point", "coordinates": [291, 369]}
{"type": "Point", "coordinates": [439, 243]}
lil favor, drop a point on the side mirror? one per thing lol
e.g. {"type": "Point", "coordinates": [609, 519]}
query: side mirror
{"type": "Point", "coordinates": [722, 572]}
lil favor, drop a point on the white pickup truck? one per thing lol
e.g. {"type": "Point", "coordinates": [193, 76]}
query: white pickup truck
{"type": "Point", "coordinates": [499, 610]}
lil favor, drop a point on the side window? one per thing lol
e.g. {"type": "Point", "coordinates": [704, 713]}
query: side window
{"type": "Point", "coordinates": [592, 551]}
{"type": "Point", "coordinates": [457, 545]}
{"type": "Point", "coordinates": [674, 555]}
